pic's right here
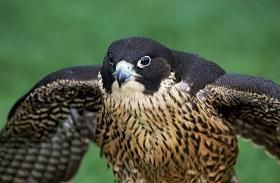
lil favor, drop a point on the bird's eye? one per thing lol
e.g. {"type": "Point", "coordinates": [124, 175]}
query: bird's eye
{"type": "Point", "coordinates": [144, 61]}
{"type": "Point", "coordinates": [110, 58]}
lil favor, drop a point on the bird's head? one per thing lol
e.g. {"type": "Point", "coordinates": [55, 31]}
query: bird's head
{"type": "Point", "coordinates": [136, 64]}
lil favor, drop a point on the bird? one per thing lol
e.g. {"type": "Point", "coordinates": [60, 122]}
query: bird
{"type": "Point", "coordinates": [173, 116]}
{"type": "Point", "coordinates": [160, 115]}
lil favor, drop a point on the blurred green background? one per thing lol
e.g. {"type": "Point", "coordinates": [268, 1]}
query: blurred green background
{"type": "Point", "coordinates": [38, 37]}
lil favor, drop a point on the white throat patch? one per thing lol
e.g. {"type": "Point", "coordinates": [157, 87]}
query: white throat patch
{"type": "Point", "coordinates": [131, 94]}
{"type": "Point", "coordinates": [135, 90]}
{"type": "Point", "coordinates": [130, 88]}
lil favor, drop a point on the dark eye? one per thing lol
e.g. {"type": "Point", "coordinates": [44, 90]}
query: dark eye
{"type": "Point", "coordinates": [144, 61]}
{"type": "Point", "coordinates": [110, 58]}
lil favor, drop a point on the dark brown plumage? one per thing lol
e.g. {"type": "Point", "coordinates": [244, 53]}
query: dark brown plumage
{"type": "Point", "coordinates": [251, 105]}
{"type": "Point", "coordinates": [174, 118]}
{"type": "Point", "coordinates": [41, 141]}
{"type": "Point", "coordinates": [161, 116]}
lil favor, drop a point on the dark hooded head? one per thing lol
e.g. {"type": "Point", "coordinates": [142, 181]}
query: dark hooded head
{"type": "Point", "coordinates": [137, 63]}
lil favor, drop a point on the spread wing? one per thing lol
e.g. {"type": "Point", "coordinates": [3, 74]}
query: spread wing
{"type": "Point", "coordinates": [45, 138]}
{"type": "Point", "coordinates": [251, 105]}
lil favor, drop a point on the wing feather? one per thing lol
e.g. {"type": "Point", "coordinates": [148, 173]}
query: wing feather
{"type": "Point", "coordinates": [45, 139]}
{"type": "Point", "coordinates": [251, 105]}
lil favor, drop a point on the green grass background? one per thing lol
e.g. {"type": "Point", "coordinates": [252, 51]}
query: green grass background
{"type": "Point", "coordinates": [38, 37]}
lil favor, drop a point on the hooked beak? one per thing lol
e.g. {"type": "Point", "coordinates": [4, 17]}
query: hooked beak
{"type": "Point", "coordinates": [121, 76]}
{"type": "Point", "coordinates": [124, 71]}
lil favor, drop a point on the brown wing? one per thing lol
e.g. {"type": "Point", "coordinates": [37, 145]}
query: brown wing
{"type": "Point", "coordinates": [54, 160]}
{"type": "Point", "coordinates": [251, 105]}
{"type": "Point", "coordinates": [40, 142]}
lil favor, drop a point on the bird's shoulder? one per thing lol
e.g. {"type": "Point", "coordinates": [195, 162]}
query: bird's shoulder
{"type": "Point", "coordinates": [195, 70]}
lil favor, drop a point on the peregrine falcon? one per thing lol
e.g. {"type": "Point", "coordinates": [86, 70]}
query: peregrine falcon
{"type": "Point", "coordinates": [160, 115]}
